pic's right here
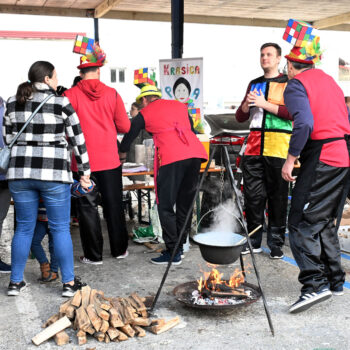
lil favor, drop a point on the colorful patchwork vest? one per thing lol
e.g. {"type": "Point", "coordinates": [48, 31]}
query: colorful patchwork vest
{"type": "Point", "coordinates": [269, 135]}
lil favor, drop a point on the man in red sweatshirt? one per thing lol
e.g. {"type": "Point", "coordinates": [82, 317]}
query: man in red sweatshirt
{"type": "Point", "coordinates": [102, 114]}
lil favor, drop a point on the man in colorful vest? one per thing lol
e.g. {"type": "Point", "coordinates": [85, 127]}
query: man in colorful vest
{"type": "Point", "coordinates": [266, 151]}
{"type": "Point", "coordinates": [321, 138]}
{"type": "Point", "coordinates": [177, 161]}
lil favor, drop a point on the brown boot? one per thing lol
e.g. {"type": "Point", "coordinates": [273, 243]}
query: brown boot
{"type": "Point", "coordinates": [46, 274]}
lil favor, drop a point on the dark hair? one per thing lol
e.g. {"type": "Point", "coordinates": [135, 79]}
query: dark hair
{"type": "Point", "coordinates": [300, 65]}
{"type": "Point", "coordinates": [151, 98]}
{"type": "Point", "coordinates": [182, 81]}
{"type": "Point", "coordinates": [36, 74]}
{"type": "Point", "coordinates": [76, 80]}
{"type": "Point", "coordinates": [276, 46]}
{"type": "Point", "coordinates": [60, 90]}
{"type": "Point", "coordinates": [88, 70]}
{"type": "Point", "coordinates": [136, 105]}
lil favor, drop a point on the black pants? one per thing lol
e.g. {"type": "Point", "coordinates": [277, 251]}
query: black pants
{"type": "Point", "coordinates": [176, 184]}
{"type": "Point", "coordinates": [263, 183]}
{"type": "Point", "coordinates": [314, 240]}
{"type": "Point", "coordinates": [109, 190]}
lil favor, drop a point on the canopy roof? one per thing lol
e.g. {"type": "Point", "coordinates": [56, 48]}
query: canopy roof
{"type": "Point", "coordinates": [323, 14]}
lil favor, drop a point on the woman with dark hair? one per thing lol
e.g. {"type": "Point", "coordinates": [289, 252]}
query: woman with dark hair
{"type": "Point", "coordinates": [182, 90]}
{"type": "Point", "coordinates": [40, 168]}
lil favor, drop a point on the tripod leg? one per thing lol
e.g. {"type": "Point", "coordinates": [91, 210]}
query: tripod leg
{"type": "Point", "coordinates": [229, 169]}
{"type": "Point", "coordinates": [182, 230]}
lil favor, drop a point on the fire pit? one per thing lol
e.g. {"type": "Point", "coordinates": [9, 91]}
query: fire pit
{"type": "Point", "coordinates": [184, 293]}
{"type": "Point", "coordinates": [213, 292]}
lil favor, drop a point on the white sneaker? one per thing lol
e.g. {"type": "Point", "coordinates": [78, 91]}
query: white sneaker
{"type": "Point", "coordinates": [123, 256]}
{"type": "Point", "coordinates": [255, 250]}
{"type": "Point", "coordinates": [84, 260]}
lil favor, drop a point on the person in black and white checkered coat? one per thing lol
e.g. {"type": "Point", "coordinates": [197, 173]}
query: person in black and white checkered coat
{"type": "Point", "coordinates": [40, 168]}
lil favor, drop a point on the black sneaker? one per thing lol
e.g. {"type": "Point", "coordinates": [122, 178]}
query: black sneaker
{"type": "Point", "coordinates": [15, 288]}
{"type": "Point", "coordinates": [164, 259]}
{"type": "Point", "coordinates": [4, 268]}
{"type": "Point", "coordinates": [309, 299]}
{"type": "Point", "coordinates": [276, 253]}
{"type": "Point", "coordinates": [247, 251]}
{"type": "Point", "coordinates": [70, 290]}
{"type": "Point", "coordinates": [337, 290]}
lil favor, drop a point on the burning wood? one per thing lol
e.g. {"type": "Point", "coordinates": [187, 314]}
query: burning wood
{"type": "Point", "coordinates": [214, 290]}
{"type": "Point", "coordinates": [106, 319]}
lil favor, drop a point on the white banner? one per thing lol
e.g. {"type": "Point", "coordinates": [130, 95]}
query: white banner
{"type": "Point", "coordinates": [182, 79]}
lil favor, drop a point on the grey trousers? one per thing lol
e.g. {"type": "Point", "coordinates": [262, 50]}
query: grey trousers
{"type": "Point", "coordinates": [5, 198]}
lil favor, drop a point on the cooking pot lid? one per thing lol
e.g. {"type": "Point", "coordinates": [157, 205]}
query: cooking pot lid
{"type": "Point", "coordinates": [218, 239]}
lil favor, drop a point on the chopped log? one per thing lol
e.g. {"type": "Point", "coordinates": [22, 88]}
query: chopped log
{"type": "Point", "coordinates": [85, 296]}
{"type": "Point", "coordinates": [140, 332]}
{"type": "Point", "coordinates": [100, 336]}
{"type": "Point", "coordinates": [51, 320]}
{"type": "Point", "coordinates": [133, 303]}
{"type": "Point", "coordinates": [90, 330]}
{"type": "Point", "coordinates": [76, 301]}
{"type": "Point", "coordinates": [103, 303]}
{"type": "Point", "coordinates": [168, 325]}
{"type": "Point", "coordinates": [92, 295]}
{"type": "Point", "coordinates": [104, 326]}
{"type": "Point", "coordinates": [100, 312]}
{"type": "Point", "coordinates": [127, 310]}
{"type": "Point", "coordinates": [158, 322]}
{"type": "Point", "coordinates": [82, 320]}
{"type": "Point", "coordinates": [122, 336]}
{"type": "Point", "coordinates": [70, 312]}
{"type": "Point", "coordinates": [107, 339]}
{"type": "Point", "coordinates": [95, 320]}
{"type": "Point", "coordinates": [82, 340]}
{"type": "Point", "coordinates": [115, 318]}
{"type": "Point", "coordinates": [80, 333]}
{"type": "Point", "coordinates": [139, 302]}
{"type": "Point", "coordinates": [113, 333]}
{"type": "Point", "coordinates": [116, 304]}
{"type": "Point", "coordinates": [64, 306]}
{"type": "Point", "coordinates": [61, 338]}
{"type": "Point", "coordinates": [128, 330]}
{"type": "Point", "coordinates": [140, 321]}
{"type": "Point", "coordinates": [50, 331]}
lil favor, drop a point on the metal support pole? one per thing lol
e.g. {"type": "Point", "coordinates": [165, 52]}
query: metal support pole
{"type": "Point", "coordinates": [97, 36]}
{"type": "Point", "coordinates": [230, 173]}
{"type": "Point", "coordinates": [177, 28]}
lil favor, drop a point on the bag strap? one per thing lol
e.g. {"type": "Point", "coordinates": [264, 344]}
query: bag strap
{"type": "Point", "coordinates": [29, 120]}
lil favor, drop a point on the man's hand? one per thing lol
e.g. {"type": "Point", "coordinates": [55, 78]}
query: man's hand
{"type": "Point", "coordinates": [256, 99]}
{"type": "Point", "coordinates": [288, 168]}
{"type": "Point", "coordinates": [85, 181]}
{"type": "Point", "coordinates": [122, 157]}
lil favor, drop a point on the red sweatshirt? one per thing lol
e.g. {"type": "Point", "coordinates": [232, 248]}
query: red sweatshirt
{"type": "Point", "coordinates": [101, 113]}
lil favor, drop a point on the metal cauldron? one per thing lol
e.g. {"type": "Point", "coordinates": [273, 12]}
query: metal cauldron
{"type": "Point", "coordinates": [220, 248]}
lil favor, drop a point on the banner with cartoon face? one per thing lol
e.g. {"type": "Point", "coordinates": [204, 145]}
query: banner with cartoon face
{"type": "Point", "coordinates": [182, 79]}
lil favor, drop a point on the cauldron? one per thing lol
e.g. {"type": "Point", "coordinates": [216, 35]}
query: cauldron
{"type": "Point", "coordinates": [220, 248]}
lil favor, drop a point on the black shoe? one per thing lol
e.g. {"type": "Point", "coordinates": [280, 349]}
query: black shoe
{"type": "Point", "coordinates": [4, 268]}
{"type": "Point", "coordinates": [309, 299]}
{"type": "Point", "coordinates": [70, 290]}
{"type": "Point", "coordinates": [276, 253]}
{"type": "Point", "coordinates": [15, 288]}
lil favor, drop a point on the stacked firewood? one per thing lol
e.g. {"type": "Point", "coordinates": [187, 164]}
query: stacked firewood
{"type": "Point", "coordinates": [106, 319]}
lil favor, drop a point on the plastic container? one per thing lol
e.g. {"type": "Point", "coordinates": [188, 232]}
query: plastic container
{"type": "Point", "coordinates": [344, 238]}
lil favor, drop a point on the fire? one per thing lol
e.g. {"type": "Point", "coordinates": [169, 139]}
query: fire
{"type": "Point", "coordinates": [215, 278]}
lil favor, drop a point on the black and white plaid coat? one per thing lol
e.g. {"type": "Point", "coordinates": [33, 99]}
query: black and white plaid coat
{"type": "Point", "coordinates": [42, 150]}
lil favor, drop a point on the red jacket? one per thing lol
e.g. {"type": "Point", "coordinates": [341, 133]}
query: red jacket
{"type": "Point", "coordinates": [101, 113]}
{"type": "Point", "coordinates": [330, 115]}
{"type": "Point", "coordinates": [168, 122]}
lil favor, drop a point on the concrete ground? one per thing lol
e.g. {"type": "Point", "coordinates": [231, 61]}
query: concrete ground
{"type": "Point", "coordinates": [325, 326]}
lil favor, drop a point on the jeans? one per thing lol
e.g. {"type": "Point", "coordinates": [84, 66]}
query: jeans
{"type": "Point", "coordinates": [41, 229]}
{"type": "Point", "coordinates": [56, 197]}
{"type": "Point", "coordinates": [5, 199]}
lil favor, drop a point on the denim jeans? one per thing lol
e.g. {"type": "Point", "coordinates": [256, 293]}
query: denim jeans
{"type": "Point", "coordinates": [41, 229]}
{"type": "Point", "coordinates": [56, 197]}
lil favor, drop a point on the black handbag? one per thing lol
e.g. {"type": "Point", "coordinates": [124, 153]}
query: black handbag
{"type": "Point", "coordinates": [5, 152]}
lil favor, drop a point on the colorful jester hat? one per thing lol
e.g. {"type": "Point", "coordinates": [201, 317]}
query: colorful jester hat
{"type": "Point", "coordinates": [305, 40]}
{"type": "Point", "coordinates": [93, 55]}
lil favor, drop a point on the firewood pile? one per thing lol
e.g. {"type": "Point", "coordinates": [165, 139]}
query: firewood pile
{"type": "Point", "coordinates": [89, 312]}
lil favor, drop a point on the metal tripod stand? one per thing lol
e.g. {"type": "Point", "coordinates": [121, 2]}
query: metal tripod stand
{"type": "Point", "coordinates": [239, 206]}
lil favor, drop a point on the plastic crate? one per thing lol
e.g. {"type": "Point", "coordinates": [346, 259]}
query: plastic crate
{"type": "Point", "coordinates": [344, 238]}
